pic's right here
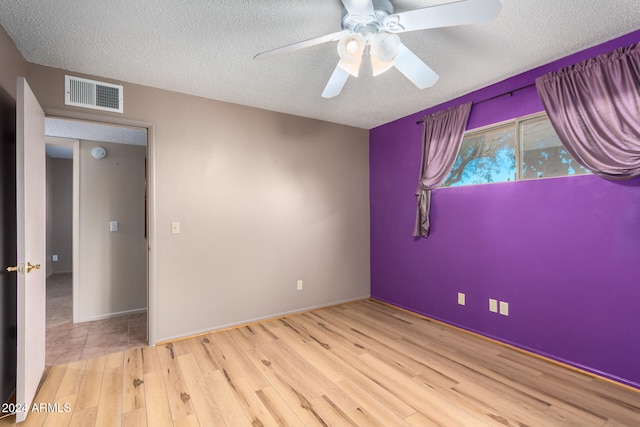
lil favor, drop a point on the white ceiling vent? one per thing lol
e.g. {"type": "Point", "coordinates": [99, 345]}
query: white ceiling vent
{"type": "Point", "coordinates": [92, 94]}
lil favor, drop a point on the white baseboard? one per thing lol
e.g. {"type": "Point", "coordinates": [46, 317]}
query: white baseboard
{"type": "Point", "coordinates": [257, 319]}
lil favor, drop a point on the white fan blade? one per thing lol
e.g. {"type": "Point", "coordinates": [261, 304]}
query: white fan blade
{"type": "Point", "coordinates": [460, 12]}
{"type": "Point", "coordinates": [359, 7]}
{"type": "Point", "coordinates": [414, 69]}
{"type": "Point", "coordinates": [336, 83]}
{"type": "Point", "coordinates": [303, 44]}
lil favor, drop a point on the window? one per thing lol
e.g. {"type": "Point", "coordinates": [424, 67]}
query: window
{"type": "Point", "coordinates": [521, 149]}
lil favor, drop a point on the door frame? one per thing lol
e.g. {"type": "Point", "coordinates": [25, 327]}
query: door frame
{"type": "Point", "coordinates": [151, 204]}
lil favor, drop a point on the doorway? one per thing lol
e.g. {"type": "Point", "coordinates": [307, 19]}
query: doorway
{"type": "Point", "coordinates": [97, 289]}
{"type": "Point", "coordinates": [8, 246]}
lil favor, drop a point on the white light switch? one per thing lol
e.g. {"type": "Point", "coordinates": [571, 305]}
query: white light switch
{"type": "Point", "coordinates": [54, 257]}
{"type": "Point", "coordinates": [175, 228]}
{"type": "Point", "coordinates": [461, 298]}
{"type": "Point", "coordinates": [504, 308]}
{"type": "Point", "coordinates": [113, 226]}
{"type": "Point", "coordinates": [493, 305]}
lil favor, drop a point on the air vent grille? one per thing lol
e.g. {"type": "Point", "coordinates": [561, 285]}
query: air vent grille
{"type": "Point", "coordinates": [93, 94]}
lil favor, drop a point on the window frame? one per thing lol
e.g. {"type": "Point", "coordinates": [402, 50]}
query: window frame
{"type": "Point", "coordinates": [515, 123]}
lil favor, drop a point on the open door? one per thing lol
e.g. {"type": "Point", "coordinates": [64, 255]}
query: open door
{"type": "Point", "coordinates": [31, 199]}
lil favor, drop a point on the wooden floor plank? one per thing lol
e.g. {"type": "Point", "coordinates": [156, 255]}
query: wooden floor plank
{"type": "Point", "coordinates": [84, 417]}
{"type": "Point", "coordinates": [156, 401]}
{"type": "Point", "coordinates": [281, 413]}
{"type": "Point", "coordinates": [70, 385]}
{"type": "Point", "coordinates": [198, 348]}
{"type": "Point", "coordinates": [424, 399]}
{"type": "Point", "coordinates": [371, 407]}
{"type": "Point", "coordinates": [178, 393]}
{"type": "Point", "coordinates": [67, 394]}
{"type": "Point", "coordinates": [240, 359]}
{"type": "Point", "coordinates": [151, 361]}
{"type": "Point", "coordinates": [358, 364]}
{"type": "Point", "coordinates": [243, 378]}
{"type": "Point", "coordinates": [110, 405]}
{"type": "Point", "coordinates": [135, 418]}
{"type": "Point", "coordinates": [233, 413]}
{"type": "Point", "coordinates": [283, 391]}
{"type": "Point", "coordinates": [203, 398]}
{"type": "Point", "coordinates": [133, 383]}
{"type": "Point", "coordinates": [89, 392]}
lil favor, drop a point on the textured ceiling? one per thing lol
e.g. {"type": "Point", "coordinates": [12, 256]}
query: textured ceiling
{"type": "Point", "coordinates": [205, 48]}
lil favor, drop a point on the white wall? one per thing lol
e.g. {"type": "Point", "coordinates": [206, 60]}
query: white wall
{"type": "Point", "coordinates": [263, 199]}
{"type": "Point", "coordinates": [112, 266]}
{"type": "Point", "coordinates": [59, 215]}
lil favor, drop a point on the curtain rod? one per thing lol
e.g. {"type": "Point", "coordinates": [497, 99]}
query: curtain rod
{"type": "Point", "coordinates": [510, 93]}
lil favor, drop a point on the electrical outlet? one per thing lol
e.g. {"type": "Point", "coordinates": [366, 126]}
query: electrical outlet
{"type": "Point", "coordinates": [299, 285]}
{"type": "Point", "coordinates": [461, 298]}
{"type": "Point", "coordinates": [504, 308]}
{"type": "Point", "coordinates": [493, 305]}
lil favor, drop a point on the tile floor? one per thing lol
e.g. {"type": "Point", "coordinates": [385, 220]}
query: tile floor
{"type": "Point", "coordinates": [69, 342]}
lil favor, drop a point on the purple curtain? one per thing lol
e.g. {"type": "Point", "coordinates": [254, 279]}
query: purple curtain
{"type": "Point", "coordinates": [594, 107]}
{"type": "Point", "coordinates": [442, 134]}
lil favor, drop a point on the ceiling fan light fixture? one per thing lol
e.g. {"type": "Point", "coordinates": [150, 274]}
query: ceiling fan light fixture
{"type": "Point", "coordinates": [350, 48]}
{"type": "Point", "coordinates": [372, 25]}
{"type": "Point", "coordinates": [385, 46]}
{"type": "Point", "coordinates": [384, 50]}
{"type": "Point", "coordinates": [378, 67]}
{"type": "Point", "coordinates": [352, 68]}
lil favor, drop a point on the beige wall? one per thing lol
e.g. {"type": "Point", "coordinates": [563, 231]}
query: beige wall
{"type": "Point", "coordinates": [112, 265]}
{"type": "Point", "coordinates": [59, 215]}
{"type": "Point", "coordinates": [49, 218]}
{"type": "Point", "coordinates": [263, 198]}
{"type": "Point", "coordinates": [13, 64]}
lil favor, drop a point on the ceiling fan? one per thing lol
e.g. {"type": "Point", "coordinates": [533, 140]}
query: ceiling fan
{"type": "Point", "coordinates": [371, 26]}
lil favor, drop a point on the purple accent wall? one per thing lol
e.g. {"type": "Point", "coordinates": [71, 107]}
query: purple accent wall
{"type": "Point", "coordinates": [563, 252]}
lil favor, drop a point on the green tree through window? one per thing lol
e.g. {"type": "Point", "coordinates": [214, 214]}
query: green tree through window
{"type": "Point", "coordinates": [543, 155]}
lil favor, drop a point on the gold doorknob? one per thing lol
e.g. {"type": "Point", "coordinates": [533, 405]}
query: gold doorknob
{"type": "Point", "coordinates": [32, 266]}
{"type": "Point", "coordinates": [15, 268]}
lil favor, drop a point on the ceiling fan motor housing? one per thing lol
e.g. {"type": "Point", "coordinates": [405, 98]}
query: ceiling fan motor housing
{"type": "Point", "coordinates": [368, 26]}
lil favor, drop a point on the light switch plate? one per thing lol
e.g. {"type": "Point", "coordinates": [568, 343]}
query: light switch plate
{"type": "Point", "coordinates": [113, 226]}
{"type": "Point", "coordinates": [175, 228]}
{"type": "Point", "coordinates": [493, 305]}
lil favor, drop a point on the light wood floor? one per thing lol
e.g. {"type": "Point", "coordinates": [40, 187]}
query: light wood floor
{"type": "Point", "coordinates": [357, 364]}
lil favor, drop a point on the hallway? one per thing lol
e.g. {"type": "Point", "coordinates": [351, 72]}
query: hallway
{"type": "Point", "coordinates": [68, 342]}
